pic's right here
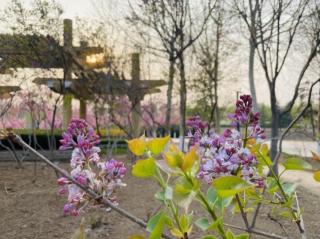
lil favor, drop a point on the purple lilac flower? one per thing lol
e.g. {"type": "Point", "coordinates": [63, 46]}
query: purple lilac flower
{"type": "Point", "coordinates": [78, 135]}
{"type": "Point", "coordinates": [85, 163]}
{"type": "Point", "coordinates": [225, 154]}
{"type": "Point", "coordinates": [113, 169]}
{"type": "Point", "coordinates": [243, 113]}
{"type": "Point", "coordinates": [245, 116]}
{"type": "Point", "coordinates": [197, 127]}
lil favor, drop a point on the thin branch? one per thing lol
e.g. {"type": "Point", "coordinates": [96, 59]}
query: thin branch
{"type": "Point", "coordinates": [89, 191]}
{"type": "Point", "coordinates": [257, 232]}
{"type": "Point", "coordinates": [293, 122]}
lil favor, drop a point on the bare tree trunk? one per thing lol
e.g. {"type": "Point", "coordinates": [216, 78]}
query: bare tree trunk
{"type": "Point", "coordinates": [169, 94]}
{"type": "Point", "coordinates": [216, 110]}
{"type": "Point", "coordinates": [275, 126]}
{"type": "Point", "coordinates": [216, 74]}
{"type": "Point", "coordinates": [183, 101]}
{"type": "Point", "coordinates": [251, 76]}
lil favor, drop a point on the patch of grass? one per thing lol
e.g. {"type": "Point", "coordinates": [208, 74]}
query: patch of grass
{"type": "Point", "coordinates": [115, 151]}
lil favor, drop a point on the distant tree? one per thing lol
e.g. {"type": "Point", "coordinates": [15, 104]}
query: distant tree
{"type": "Point", "coordinates": [177, 29]}
{"type": "Point", "coordinates": [278, 24]}
{"type": "Point", "coordinates": [211, 50]}
{"type": "Point", "coordinates": [248, 11]}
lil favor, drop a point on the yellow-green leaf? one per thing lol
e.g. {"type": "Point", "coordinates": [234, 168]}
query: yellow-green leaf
{"type": "Point", "coordinates": [144, 168]}
{"type": "Point", "coordinates": [296, 164]}
{"type": "Point", "coordinates": [264, 149]}
{"type": "Point", "coordinates": [208, 237]}
{"type": "Point", "coordinates": [137, 146]}
{"type": "Point", "coordinates": [157, 145]}
{"type": "Point", "coordinates": [136, 237]}
{"type": "Point", "coordinates": [316, 176]}
{"type": "Point", "coordinates": [174, 157]}
{"type": "Point", "coordinates": [229, 186]}
{"type": "Point", "coordinates": [176, 233]}
{"type": "Point", "coordinates": [189, 159]}
{"type": "Point", "coordinates": [156, 225]}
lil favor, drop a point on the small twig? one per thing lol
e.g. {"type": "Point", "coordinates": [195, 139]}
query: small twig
{"type": "Point", "coordinates": [278, 222]}
{"type": "Point", "coordinates": [256, 213]}
{"type": "Point", "coordinates": [243, 213]}
{"type": "Point", "coordinates": [257, 232]}
{"type": "Point", "coordinates": [300, 222]}
{"type": "Point", "coordinates": [293, 122]}
{"type": "Point", "coordinates": [90, 192]}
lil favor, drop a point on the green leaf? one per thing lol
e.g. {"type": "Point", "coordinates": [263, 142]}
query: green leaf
{"type": "Point", "coordinates": [229, 235]}
{"type": "Point", "coordinates": [185, 221]}
{"type": "Point", "coordinates": [272, 185]}
{"type": "Point", "coordinates": [137, 146]}
{"type": "Point", "coordinates": [212, 195]}
{"type": "Point", "coordinates": [144, 168]}
{"type": "Point", "coordinates": [217, 201]}
{"type": "Point", "coordinates": [296, 164]}
{"type": "Point", "coordinates": [184, 192]}
{"type": "Point", "coordinates": [168, 194]}
{"type": "Point", "coordinates": [215, 224]}
{"type": "Point", "coordinates": [156, 225]}
{"type": "Point", "coordinates": [160, 196]}
{"type": "Point", "coordinates": [242, 236]}
{"type": "Point", "coordinates": [223, 203]}
{"type": "Point", "coordinates": [261, 152]}
{"type": "Point", "coordinates": [208, 237]}
{"type": "Point", "coordinates": [288, 188]}
{"type": "Point", "coordinates": [286, 214]}
{"type": "Point", "coordinates": [229, 186]}
{"type": "Point", "coordinates": [203, 223]}
{"type": "Point", "coordinates": [157, 145]}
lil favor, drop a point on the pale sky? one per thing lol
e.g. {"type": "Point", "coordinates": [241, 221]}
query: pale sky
{"type": "Point", "coordinates": [72, 8]}
{"type": "Point", "coordinates": [234, 69]}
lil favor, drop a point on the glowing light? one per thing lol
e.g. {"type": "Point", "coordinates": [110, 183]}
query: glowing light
{"type": "Point", "coordinates": [95, 59]}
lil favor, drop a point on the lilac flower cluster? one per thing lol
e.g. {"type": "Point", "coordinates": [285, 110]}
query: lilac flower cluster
{"type": "Point", "coordinates": [197, 128]}
{"type": "Point", "coordinates": [227, 154]}
{"type": "Point", "coordinates": [85, 164]}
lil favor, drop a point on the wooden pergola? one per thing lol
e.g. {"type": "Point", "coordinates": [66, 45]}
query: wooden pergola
{"type": "Point", "coordinates": [6, 91]}
{"type": "Point", "coordinates": [38, 51]}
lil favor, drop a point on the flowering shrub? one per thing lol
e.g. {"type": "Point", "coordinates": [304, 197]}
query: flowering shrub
{"type": "Point", "coordinates": [88, 169]}
{"type": "Point", "coordinates": [232, 166]}
{"type": "Point", "coordinates": [226, 154]}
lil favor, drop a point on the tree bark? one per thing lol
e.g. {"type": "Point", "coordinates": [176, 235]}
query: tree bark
{"type": "Point", "coordinates": [251, 75]}
{"type": "Point", "coordinates": [183, 101]}
{"type": "Point", "coordinates": [169, 94]}
{"type": "Point", "coordinates": [216, 74]}
{"type": "Point", "coordinates": [275, 127]}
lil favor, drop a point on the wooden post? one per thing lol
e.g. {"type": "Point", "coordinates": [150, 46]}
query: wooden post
{"type": "Point", "coordinates": [135, 96]}
{"type": "Point", "coordinates": [67, 109]}
{"type": "Point", "coordinates": [83, 109]}
{"type": "Point", "coordinates": [67, 98]}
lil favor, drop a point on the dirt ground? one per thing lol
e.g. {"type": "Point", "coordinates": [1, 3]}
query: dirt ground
{"type": "Point", "coordinates": [33, 210]}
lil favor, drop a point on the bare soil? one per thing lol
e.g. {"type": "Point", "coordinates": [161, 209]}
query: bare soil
{"type": "Point", "coordinates": [33, 210]}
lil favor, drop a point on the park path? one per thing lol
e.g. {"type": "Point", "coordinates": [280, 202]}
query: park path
{"type": "Point", "coordinates": [297, 147]}
{"type": "Point", "coordinates": [301, 178]}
